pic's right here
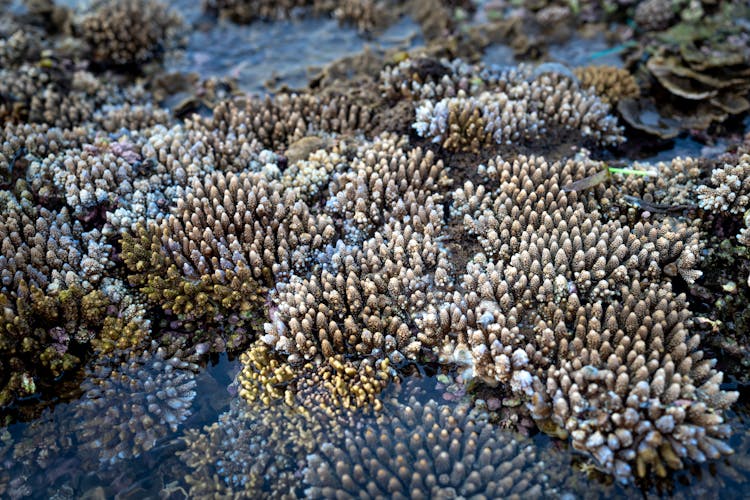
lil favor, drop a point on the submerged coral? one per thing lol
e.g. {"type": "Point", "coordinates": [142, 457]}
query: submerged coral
{"type": "Point", "coordinates": [252, 450]}
{"type": "Point", "coordinates": [126, 409]}
{"type": "Point", "coordinates": [416, 450]}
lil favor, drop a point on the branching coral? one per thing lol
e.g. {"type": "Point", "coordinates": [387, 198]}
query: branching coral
{"type": "Point", "coordinates": [632, 387]}
{"type": "Point", "coordinates": [517, 104]}
{"type": "Point", "coordinates": [50, 268]}
{"type": "Point", "coordinates": [126, 409]}
{"type": "Point", "coordinates": [416, 450]}
{"type": "Point", "coordinates": [216, 256]}
{"type": "Point", "coordinates": [361, 294]}
{"type": "Point", "coordinates": [254, 449]}
{"type": "Point", "coordinates": [609, 82]}
{"type": "Point", "coordinates": [551, 266]}
{"type": "Point", "coordinates": [337, 385]}
{"type": "Point", "coordinates": [364, 14]}
{"type": "Point", "coordinates": [729, 190]}
{"type": "Point", "coordinates": [128, 32]}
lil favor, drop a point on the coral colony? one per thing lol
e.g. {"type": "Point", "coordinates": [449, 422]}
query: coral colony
{"type": "Point", "coordinates": [448, 215]}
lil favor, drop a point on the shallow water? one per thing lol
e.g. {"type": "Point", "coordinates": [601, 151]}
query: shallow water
{"type": "Point", "coordinates": [283, 53]}
{"type": "Point", "coordinates": [279, 53]}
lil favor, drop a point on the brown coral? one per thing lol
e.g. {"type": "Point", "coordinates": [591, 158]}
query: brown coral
{"type": "Point", "coordinates": [487, 106]}
{"type": "Point", "coordinates": [609, 82]}
{"type": "Point", "coordinates": [128, 32]}
{"type": "Point", "coordinates": [50, 267]}
{"type": "Point", "coordinates": [216, 256]}
{"type": "Point", "coordinates": [361, 295]}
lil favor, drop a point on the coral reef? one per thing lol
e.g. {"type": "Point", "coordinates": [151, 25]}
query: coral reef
{"type": "Point", "coordinates": [337, 385]}
{"type": "Point", "coordinates": [50, 270]}
{"type": "Point", "coordinates": [360, 296]}
{"type": "Point", "coordinates": [425, 215]}
{"type": "Point", "coordinates": [216, 256]}
{"type": "Point", "coordinates": [253, 450]}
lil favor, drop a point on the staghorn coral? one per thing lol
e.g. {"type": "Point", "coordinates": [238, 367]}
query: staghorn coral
{"type": "Point", "coordinates": [416, 450]}
{"type": "Point", "coordinates": [216, 256]}
{"type": "Point", "coordinates": [609, 82]}
{"type": "Point", "coordinates": [729, 190]}
{"type": "Point", "coordinates": [360, 297]}
{"type": "Point", "coordinates": [518, 104]}
{"type": "Point", "coordinates": [127, 408]}
{"type": "Point", "coordinates": [640, 391]}
{"type": "Point", "coordinates": [254, 450]}
{"type": "Point", "coordinates": [128, 32]}
{"type": "Point", "coordinates": [336, 386]}
{"type": "Point", "coordinates": [50, 271]}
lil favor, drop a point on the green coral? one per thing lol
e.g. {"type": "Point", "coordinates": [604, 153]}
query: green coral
{"type": "Point", "coordinates": [191, 300]}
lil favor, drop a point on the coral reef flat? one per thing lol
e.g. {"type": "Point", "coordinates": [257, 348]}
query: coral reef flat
{"type": "Point", "coordinates": [374, 249]}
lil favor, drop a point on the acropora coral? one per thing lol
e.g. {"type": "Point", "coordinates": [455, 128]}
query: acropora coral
{"type": "Point", "coordinates": [335, 255]}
